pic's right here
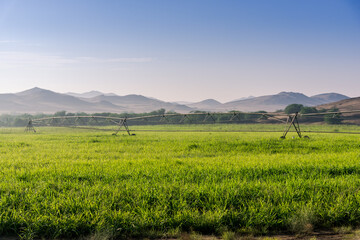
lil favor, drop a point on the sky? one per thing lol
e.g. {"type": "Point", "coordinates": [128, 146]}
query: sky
{"type": "Point", "coordinates": [181, 50]}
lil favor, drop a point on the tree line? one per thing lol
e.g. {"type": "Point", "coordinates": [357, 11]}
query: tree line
{"type": "Point", "coordinates": [331, 118]}
{"type": "Point", "coordinates": [11, 120]}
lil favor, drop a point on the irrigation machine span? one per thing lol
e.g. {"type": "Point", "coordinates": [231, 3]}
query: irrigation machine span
{"type": "Point", "coordinates": [122, 123]}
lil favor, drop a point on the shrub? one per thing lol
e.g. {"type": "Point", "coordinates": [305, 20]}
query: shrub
{"type": "Point", "coordinates": [332, 119]}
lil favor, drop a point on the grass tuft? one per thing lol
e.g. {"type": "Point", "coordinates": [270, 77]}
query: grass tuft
{"type": "Point", "coordinates": [228, 235]}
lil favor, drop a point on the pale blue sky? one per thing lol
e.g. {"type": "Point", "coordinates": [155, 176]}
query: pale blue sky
{"type": "Point", "coordinates": [181, 50]}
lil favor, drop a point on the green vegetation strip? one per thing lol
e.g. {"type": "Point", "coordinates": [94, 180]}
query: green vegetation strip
{"type": "Point", "coordinates": [62, 183]}
{"type": "Point", "coordinates": [320, 128]}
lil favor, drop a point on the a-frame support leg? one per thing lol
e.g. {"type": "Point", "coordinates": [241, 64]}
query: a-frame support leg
{"type": "Point", "coordinates": [185, 117]}
{"type": "Point", "coordinates": [208, 115]}
{"type": "Point", "coordinates": [121, 124]}
{"type": "Point", "coordinates": [163, 118]}
{"type": "Point", "coordinates": [30, 127]}
{"type": "Point", "coordinates": [293, 122]}
{"type": "Point", "coordinates": [235, 115]}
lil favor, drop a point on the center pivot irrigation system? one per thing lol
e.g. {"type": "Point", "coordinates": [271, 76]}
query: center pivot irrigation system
{"type": "Point", "coordinates": [121, 123]}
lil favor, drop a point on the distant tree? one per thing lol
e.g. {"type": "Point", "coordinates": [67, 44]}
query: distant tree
{"type": "Point", "coordinates": [20, 122]}
{"type": "Point", "coordinates": [197, 111]}
{"type": "Point", "coordinates": [161, 111]}
{"type": "Point", "coordinates": [60, 114]}
{"type": "Point", "coordinates": [39, 115]}
{"type": "Point", "coordinates": [309, 110]}
{"type": "Point", "coordinates": [333, 119]}
{"type": "Point", "coordinates": [334, 109]}
{"type": "Point", "coordinates": [305, 110]}
{"type": "Point", "coordinates": [81, 114]}
{"type": "Point", "coordinates": [103, 114]}
{"type": "Point", "coordinates": [293, 108]}
{"type": "Point", "coordinates": [322, 110]}
{"type": "Point", "coordinates": [171, 112]}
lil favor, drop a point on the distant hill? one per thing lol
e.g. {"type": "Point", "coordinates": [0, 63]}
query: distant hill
{"type": "Point", "coordinates": [268, 103]}
{"type": "Point", "coordinates": [207, 105]}
{"type": "Point", "coordinates": [242, 98]}
{"type": "Point", "coordinates": [280, 101]}
{"type": "Point", "coordinates": [343, 105]}
{"type": "Point", "coordinates": [182, 102]}
{"type": "Point", "coordinates": [139, 103]}
{"type": "Point", "coordinates": [37, 100]}
{"type": "Point", "coordinates": [90, 94]}
{"type": "Point", "coordinates": [329, 97]}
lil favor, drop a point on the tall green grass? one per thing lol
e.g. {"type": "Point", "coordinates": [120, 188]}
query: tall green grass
{"type": "Point", "coordinates": [62, 183]}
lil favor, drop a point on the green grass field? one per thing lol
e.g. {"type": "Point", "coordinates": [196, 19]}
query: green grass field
{"type": "Point", "coordinates": [65, 183]}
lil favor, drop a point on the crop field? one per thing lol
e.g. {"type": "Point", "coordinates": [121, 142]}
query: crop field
{"type": "Point", "coordinates": [67, 183]}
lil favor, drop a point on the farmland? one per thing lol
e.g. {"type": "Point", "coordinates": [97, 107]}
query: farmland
{"type": "Point", "coordinates": [65, 183]}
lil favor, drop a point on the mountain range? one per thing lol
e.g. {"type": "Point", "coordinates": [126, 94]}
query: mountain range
{"type": "Point", "coordinates": [268, 103]}
{"type": "Point", "coordinates": [37, 100]}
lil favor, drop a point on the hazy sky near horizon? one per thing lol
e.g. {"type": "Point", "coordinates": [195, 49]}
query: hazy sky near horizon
{"type": "Point", "coordinates": [181, 50]}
